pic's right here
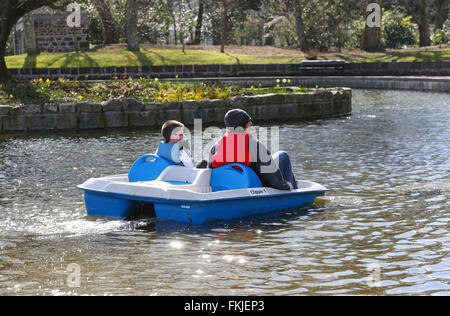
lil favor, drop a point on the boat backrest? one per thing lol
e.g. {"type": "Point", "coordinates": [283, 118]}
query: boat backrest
{"type": "Point", "coordinates": [148, 168]}
{"type": "Point", "coordinates": [234, 176]}
{"type": "Point", "coordinates": [170, 152]}
{"type": "Point", "coordinates": [183, 175]}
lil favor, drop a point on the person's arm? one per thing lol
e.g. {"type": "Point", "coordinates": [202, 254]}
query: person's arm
{"type": "Point", "coordinates": [208, 163]}
{"type": "Point", "coordinates": [267, 167]}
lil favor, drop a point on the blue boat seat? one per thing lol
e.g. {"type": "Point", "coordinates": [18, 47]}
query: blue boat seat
{"type": "Point", "coordinates": [234, 176]}
{"type": "Point", "coordinates": [148, 168]}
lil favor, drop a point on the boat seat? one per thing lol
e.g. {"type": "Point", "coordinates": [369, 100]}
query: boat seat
{"type": "Point", "coordinates": [148, 168]}
{"type": "Point", "coordinates": [234, 176]}
{"type": "Point", "coordinates": [177, 177]}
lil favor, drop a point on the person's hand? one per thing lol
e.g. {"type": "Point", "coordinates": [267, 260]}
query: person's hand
{"type": "Point", "coordinates": [291, 187]}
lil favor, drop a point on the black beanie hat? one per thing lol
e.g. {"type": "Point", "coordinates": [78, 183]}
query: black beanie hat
{"type": "Point", "coordinates": [237, 118]}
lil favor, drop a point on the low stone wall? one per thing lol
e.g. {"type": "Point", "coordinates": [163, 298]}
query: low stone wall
{"type": "Point", "coordinates": [420, 68]}
{"type": "Point", "coordinates": [431, 84]}
{"type": "Point", "coordinates": [128, 112]}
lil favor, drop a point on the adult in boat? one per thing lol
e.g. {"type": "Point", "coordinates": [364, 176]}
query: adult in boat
{"type": "Point", "coordinates": [174, 148]}
{"type": "Point", "coordinates": [237, 146]}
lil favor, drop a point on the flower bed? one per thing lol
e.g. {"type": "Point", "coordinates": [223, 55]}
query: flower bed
{"type": "Point", "coordinates": [42, 91]}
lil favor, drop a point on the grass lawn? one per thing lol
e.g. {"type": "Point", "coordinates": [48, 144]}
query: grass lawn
{"type": "Point", "coordinates": [117, 55]}
{"type": "Point", "coordinates": [145, 57]}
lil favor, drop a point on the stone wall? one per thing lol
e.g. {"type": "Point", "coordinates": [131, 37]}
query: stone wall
{"type": "Point", "coordinates": [432, 84]}
{"type": "Point", "coordinates": [53, 35]}
{"type": "Point", "coordinates": [432, 68]}
{"type": "Point", "coordinates": [127, 112]}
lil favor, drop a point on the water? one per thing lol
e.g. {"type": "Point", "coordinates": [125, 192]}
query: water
{"type": "Point", "coordinates": [384, 231]}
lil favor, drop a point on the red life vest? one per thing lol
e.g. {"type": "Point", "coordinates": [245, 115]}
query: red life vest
{"type": "Point", "coordinates": [233, 148]}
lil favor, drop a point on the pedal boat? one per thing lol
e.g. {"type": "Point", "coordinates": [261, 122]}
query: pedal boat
{"type": "Point", "coordinates": [157, 187]}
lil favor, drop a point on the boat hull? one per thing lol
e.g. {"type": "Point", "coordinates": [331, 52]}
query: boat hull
{"type": "Point", "coordinates": [192, 195]}
{"type": "Point", "coordinates": [195, 212]}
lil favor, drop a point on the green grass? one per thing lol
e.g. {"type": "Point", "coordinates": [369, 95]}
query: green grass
{"type": "Point", "coordinates": [145, 57]}
{"type": "Point", "coordinates": [392, 56]}
{"type": "Point", "coordinates": [166, 56]}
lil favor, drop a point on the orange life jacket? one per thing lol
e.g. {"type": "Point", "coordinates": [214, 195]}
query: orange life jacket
{"type": "Point", "coordinates": [233, 148]}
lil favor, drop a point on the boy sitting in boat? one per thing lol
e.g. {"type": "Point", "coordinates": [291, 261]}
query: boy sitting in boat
{"type": "Point", "coordinates": [236, 146]}
{"type": "Point", "coordinates": [174, 148]}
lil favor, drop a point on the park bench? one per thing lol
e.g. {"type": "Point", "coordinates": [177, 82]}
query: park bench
{"type": "Point", "coordinates": [322, 66]}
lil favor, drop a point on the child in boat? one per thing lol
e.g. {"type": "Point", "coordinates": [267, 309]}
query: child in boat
{"type": "Point", "coordinates": [172, 131]}
{"type": "Point", "coordinates": [237, 146]}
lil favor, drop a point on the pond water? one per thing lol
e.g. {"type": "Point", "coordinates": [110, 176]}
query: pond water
{"type": "Point", "coordinates": [385, 230]}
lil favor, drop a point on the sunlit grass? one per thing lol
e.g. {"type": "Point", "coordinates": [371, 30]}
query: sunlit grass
{"type": "Point", "coordinates": [170, 56]}
{"type": "Point", "coordinates": [145, 57]}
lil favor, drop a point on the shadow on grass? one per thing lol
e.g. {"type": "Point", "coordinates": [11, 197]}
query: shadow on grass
{"type": "Point", "coordinates": [30, 61]}
{"type": "Point", "coordinates": [427, 55]}
{"type": "Point", "coordinates": [73, 59]}
{"type": "Point", "coordinates": [161, 57]}
{"type": "Point", "coordinates": [142, 58]}
{"type": "Point", "coordinates": [237, 59]}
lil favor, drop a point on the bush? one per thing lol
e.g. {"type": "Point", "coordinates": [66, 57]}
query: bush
{"type": "Point", "coordinates": [439, 37]}
{"type": "Point", "coordinates": [398, 30]}
{"type": "Point", "coordinates": [357, 36]}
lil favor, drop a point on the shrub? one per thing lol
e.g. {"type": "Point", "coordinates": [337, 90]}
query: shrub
{"type": "Point", "coordinates": [398, 30]}
{"type": "Point", "coordinates": [439, 37]}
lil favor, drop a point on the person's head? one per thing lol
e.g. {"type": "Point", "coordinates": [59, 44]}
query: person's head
{"type": "Point", "coordinates": [238, 119]}
{"type": "Point", "coordinates": [172, 131]}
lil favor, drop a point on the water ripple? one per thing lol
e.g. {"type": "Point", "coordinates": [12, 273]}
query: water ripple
{"type": "Point", "coordinates": [383, 230]}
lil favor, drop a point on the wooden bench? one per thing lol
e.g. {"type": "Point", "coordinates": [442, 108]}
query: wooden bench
{"type": "Point", "coordinates": [323, 66]}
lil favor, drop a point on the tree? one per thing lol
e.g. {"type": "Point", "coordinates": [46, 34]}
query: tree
{"type": "Point", "coordinates": [230, 8]}
{"type": "Point", "coordinates": [29, 35]}
{"type": "Point", "coordinates": [226, 6]}
{"type": "Point", "coordinates": [372, 33]}
{"type": "Point", "coordinates": [300, 26]}
{"type": "Point", "coordinates": [132, 30]}
{"type": "Point", "coordinates": [10, 12]}
{"type": "Point", "coordinates": [442, 8]}
{"type": "Point", "coordinates": [419, 11]}
{"type": "Point", "coordinates": [199, 24]}
{"type": "Point", "coordinates": [107, 21]}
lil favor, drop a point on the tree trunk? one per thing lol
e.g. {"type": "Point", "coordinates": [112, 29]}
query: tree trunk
{"type": "Point", "coordinates": [372, 34]}
{"type": "Point", "coordinates": [4, 74]}
{"type": "Point", "coordinates": [420, 16]}
{"type": "Point", "coordinates": [199, 25]}
{"type": "Point", "coordinates": [224, 28]}
{"type": "Point", "coordinates": [7, 21]}
{"type": "Point", "coordinates": [30, 35]}
{"type": "Point", "coordinates": [441, 14]}
{"type": "Point", "coordinates": [107, 21]}
{"type": "Point", "coordinates": [372, 39]}
{"type": "Point", "coordinates": [132, 31]}
{"type": "Point", "coordinates": [424, 27]}
{"type": "Point", "coordinates": [304, 45]}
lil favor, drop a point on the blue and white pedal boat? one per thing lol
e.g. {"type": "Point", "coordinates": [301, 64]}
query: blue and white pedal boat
{"type": "Point", "coordinates": [157, 187]}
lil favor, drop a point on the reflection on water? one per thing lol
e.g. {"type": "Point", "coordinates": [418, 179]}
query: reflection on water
{"type": "Point", "coordinates": [384, 229]}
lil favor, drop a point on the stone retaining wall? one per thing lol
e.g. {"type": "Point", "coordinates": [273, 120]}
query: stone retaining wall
{"type": "Point", "coordinates": [128, 112]}
{"type": "Point", "coordinates": [425, 68]}
{"type": "Point", "coordinates": [432, 84]}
